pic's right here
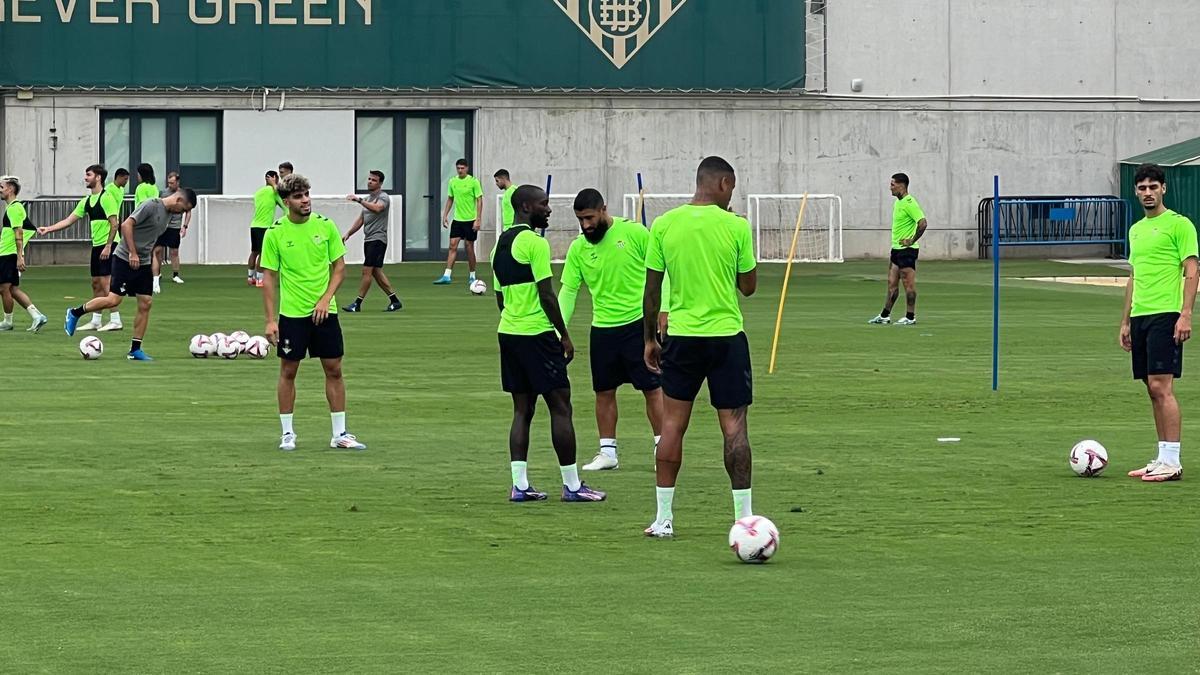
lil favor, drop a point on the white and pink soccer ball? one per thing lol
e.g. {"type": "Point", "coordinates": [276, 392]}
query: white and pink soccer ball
{"type": "Point", "coordinates": [202, 347]}
{"type": "Point", "coordinates": [1088, 459]}
{"type": "Point", "coordinates": [754, 539]}
{"type": "Point", "coordinates": [216, 339]}
{"type": "Point", "coordinates": [229, 348]}
{"type": "Point", "coordinates": [257, 347]}
{"type": "Point", "coordinates": [241, 337]}
{"type": "Point", "coordinates": [90, 348]}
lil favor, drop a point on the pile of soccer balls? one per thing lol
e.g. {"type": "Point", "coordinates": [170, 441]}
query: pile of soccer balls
{"type": "Point", "coordinates": [220, 345]}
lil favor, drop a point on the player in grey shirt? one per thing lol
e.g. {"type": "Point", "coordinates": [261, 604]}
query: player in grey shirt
{"type": "Point", "coordinates": [374, 224]}
{"type": "Point", "coordinates": [130, 277]}
{"type": "Point", "coordinates": [168, 242]}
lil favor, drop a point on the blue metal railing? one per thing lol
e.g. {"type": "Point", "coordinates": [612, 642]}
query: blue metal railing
{"type": "Point", "coordinates": [1055, 221]}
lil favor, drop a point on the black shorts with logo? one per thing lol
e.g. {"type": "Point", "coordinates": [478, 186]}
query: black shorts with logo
{"type": "Point", "coordinates": [301, 337]}
{"type": "Point", "coordinates": [905, 258]}
{"type": "Point", "coordinates": [102, 268]}
{"type": "Point", "coordinates": [168, 239]}
{"type": "Point", "coordinates": [618, 356]}
{"type": "Point", "coordinates": [373, 253]}
{"type": "Point", "coordinates": [8, 270]}
{"type": "Point", "coordinates": [256, 239]}
{"type": "Point", "coordinates": [532, 364]}
{"type": "Point", "coordinates": [724, 361]}
{"type": "Point", "coordinates": [129, 282]}
{"type": "Point", "coordinates": [463, 229]}
{"type": "Point", "coordinates": [1154, 349]}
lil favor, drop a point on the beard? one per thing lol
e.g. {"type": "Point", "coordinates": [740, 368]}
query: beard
{"type": "Point", "coordinates": [596, 235]}
{"type": "Point", "coordinates": [539, 221]}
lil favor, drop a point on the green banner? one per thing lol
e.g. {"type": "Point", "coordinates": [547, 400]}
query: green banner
{"type": "Point", "coordinates": [407, 44]}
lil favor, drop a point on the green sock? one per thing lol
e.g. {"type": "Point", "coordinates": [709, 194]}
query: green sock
{"type": "Point", "coordinates": [666, 499]}
{"type": "Point", "coordinates": [741, 504]}
{"type": "Point", "coordinates": [520, 475]}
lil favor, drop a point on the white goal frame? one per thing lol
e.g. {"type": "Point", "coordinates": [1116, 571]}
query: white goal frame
{"type": "Point", "coordinates": [629, 204]}
{"type": "Point", "coordinates": [498, 229]}
{"type": "Point", "coordinates": [833, 226]}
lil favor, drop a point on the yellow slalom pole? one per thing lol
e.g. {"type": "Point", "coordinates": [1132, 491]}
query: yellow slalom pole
{"type": "Point", "coordinates": [787, 275]}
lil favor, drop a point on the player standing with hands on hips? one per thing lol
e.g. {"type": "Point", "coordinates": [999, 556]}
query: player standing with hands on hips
{"type": "Point", "coordinates": [303, 260]}
{"type": "Point", "coordinates": [1157, 319]}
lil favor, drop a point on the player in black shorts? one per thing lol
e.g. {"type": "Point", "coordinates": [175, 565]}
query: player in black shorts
{"type": "Point", "coordinates": [374, 223]}
{"type": "Point", "coordinates": [908, 226]}
{"type": "Point", "coordinates": [465, 204]}
{"type": "Point", "coordinates": [709, 255]}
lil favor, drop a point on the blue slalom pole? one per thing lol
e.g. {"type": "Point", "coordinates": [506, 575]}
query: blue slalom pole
{"type": "Point", "coordinates": [641, 199]}
{"type": "Point", "coordinates": [549, 183]}
{"type": "Point", "coordinates": [996, 283]}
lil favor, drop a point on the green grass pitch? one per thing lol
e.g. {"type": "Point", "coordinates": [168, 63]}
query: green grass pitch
{"type": "Point", "coordinates": [149, 524]}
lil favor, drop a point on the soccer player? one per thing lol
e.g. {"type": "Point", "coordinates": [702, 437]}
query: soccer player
{"type": "Point", "coordinates": [506, 187]}
{"type": "Point", "coordinates": [131, 278]}
{"type": "Point", "coordinates": [117, 187]}
{"type": "Point", "coordinates": [304, 260]}
{"type": "Point", "coordinates": [533, 357]}
{"type": "Point", "coordinates": [908, 225]}
{"type": "Point", "coordinates": [374, 223]}
{"type": "Point", "coordinates": [168, 243]}
{"type": "Point", "coordinates": [266, 200]}
{"type": "Point", "coordinates": [101, 209]}
{"type": "Point", "coordinates": [465, 201]}
{"type": "Point", "coordinates": [147, 188]}
{"type": "Point", "coordinates": [609, 256]}
{"type": "Point", "coordinates": [14, 235]}
{"type": "Point", "coordinates": [1157, 319]}
{"type": "Point", "coordinates": [710, 256]}
{"type": "Point", "coordinates": [286, 169]}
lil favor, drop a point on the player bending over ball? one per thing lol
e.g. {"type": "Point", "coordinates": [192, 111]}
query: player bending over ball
{"type": "Point", "coordinates": [908, 224]}
{"type": "Point", "coordinates": [131, 277]}
{"type": "Point", "coordinates": [1157, 319]}
{"type": "Point", "coordinates": [303, 259]}
{"type": "Point", "coordinates": [609, 256]}
{"type": "Point", "coordinates": [710, 256]}
{"type": "Point", "coordinates": [533, 357]}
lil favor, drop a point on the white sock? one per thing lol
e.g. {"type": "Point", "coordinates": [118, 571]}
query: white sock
{"type": "Point", "coordinates": [741, 504]}
{"type": "Point", "coordinates": [96, 318]}
{"type": "Point", "coordinates": [258, 276]}
{"type": "Point", "coordinates": [7, 317]}
{"type": "Point", "coordinates": [114, 317]}
{"type": "Point", "coordinates": [339, 423]}
{"type": "Point", "coordinates": [285, 421]}
{"type": "Point", "coordinates": [570, 476]}
{"type": "Point", "coordinates": [1168, 453]}
{"type": "Point", "coordinates": [520, 475]}
{"type": "Point", "coordinates": [471, 277]}
{"type": "Point", "coordinates": [608, 447]}
{"type": "Point", "coordinates": [447, 272]}
{"type": "Point", "coordinates": [250, 274]}
{"type": "Point", "coordinates": [657, 439]}
{"type": "Point", "coordinates": [666, 501]}
{"type": "Point", "coordinates": [34, 312]}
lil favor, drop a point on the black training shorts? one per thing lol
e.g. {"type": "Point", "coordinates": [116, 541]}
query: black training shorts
{"type": "Point", "coordinates": [618, 356]}
{"type": "Point", "coordinates": [300, 337]}
{"type": "Point", "coordinates": [256, 239]}
{"type": "Point", "coordinates": [905, 258]}
{"type": "Point", "coordinates": [168, 239]}
{"type": "Point", "coordinates": [102, 268]}
{"type": "Point", "coordinates": [129, 282]}
{"type": "Point", "coordinates": [532, 364]}
{"type": "Point", "coordinates": [463, 229]}
{"type": "Point", "coordinates": [373, 253]}
{"type": "Point", "coordinates": [724, 361]}
{"type": "Point", "coordinates": [8, 270]}
{"type": "Point", "coordinates": [1154, 348]}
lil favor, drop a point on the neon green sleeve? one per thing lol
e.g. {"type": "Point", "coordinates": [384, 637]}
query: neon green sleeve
{"type": "Point", "coordinates": [566, 302]}
{"type": "Point", "coordinates": [665, 305]}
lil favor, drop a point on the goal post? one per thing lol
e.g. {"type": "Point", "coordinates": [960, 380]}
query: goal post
{"type": "Point", "coordinates": [773, 219]}
{"type": "Point", "coordinates": [563, 230]}
{"type": "Point", "coordinates": [655, 205]}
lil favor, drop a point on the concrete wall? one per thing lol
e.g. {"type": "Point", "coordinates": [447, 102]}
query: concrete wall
{"type": "Point", "coordinates": [319, 143]}
{"type": "Point", "coordinates": [1015, 47]}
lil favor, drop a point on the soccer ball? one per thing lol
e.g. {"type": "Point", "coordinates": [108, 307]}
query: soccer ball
{"type": "Point", "coordinates": [257, 347]}
{"type": "Point", "coordinates": [1088, 458]}
{"type": "Point", "coordinates": [91, 348]}
{"type": "Point", "coordinates": [217, 339]}
{"type": "Point", "coordinates": [228, 348]}
{"type": "Point", "coordinates": [754, 539]}
{"type": "Point", "coordinates": [202, 346]}
{"type": "Point", "coordinates": [240, 336]}
{"type": "Point", "coordinates": [478, 287]}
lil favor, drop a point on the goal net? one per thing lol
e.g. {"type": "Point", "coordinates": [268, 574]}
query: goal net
{"type": "Point", "coordinates": [773, 219]}
{"type": "Point", "coordinates": [220, 229]}
{"type": "Point", "coordinates": [563, 230]}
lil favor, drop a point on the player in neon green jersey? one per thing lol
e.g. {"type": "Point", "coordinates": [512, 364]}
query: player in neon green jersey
{"type": "Point", "coordinates": [709, 254]}
{"type": "Point", "coordinates": [304, 260]}
{"type": "Point", "coordinates": [167, 245]}
{"type": "Point", "coordinates": [15, 233]}
{"type": "Point", "coordinates": [908, 225]}
{"type": "Point", "coordinates": [465, 203]}
{"type": "Point", "coordinates": [101, 210]}
{"type": "Point", "coordinates": [507, 188]}
{"type": "Point", "coordinates": [534, 347]}
{"type": "Point", "coordinates": [146, 188]}
{"type": "Point", "coordinates": [609, 257]}
{"type": "Point", "coordinates": [1157, 320]}
{"type": "Point", "coordinates": [266, 200]}
{"type": "Point", "coordinates": [117, 187]}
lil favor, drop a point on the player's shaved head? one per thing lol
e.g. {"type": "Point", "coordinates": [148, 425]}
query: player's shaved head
{"type": "Point", "coordinates": [712, 170]}
{"type": "Point", "coordinates": [588, 199]}
{"type": "Point", "coordinates": [531, 206]}
{"type": "Point", "coordinates": [526, 196]}
{"type": "Point", "coordinates": [715, 182]}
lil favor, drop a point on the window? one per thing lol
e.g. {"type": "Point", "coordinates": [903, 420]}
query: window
{"type": "Point", "coordinates": [187, 142]}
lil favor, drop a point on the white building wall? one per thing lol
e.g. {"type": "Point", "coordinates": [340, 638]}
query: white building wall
{"type": "Point", "coordinates": [319, 143]}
